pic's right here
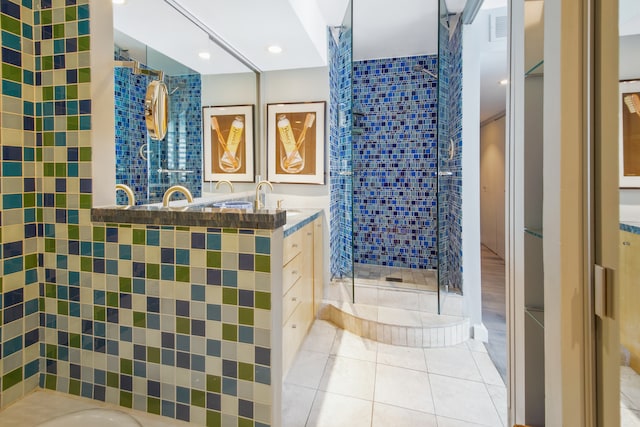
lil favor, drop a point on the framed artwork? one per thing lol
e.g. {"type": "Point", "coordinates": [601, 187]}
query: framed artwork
{"type": "Point", "coordinates": [295, 142]}
{"type": "Point", "coordinates": [228, 143]}
{"type": "Point", "coordinates": [629, 150]}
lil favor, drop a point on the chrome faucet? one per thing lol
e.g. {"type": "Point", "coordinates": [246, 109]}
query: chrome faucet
{"type": "Point", "coordinates": [224, 181]}
{"type": "Point", "coordinates": [258, 204]}
{"type": "Point", "coordinates": [176, 189]}
{"type": "Point", "coordinates": [131, 198]}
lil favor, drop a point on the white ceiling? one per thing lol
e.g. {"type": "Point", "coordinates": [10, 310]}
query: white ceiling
{"type": "Point", "coordinates": [381, 30]}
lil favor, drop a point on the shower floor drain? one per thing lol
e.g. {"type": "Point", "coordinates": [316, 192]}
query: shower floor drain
{"type": "Point", "coordinates": [394, 279]}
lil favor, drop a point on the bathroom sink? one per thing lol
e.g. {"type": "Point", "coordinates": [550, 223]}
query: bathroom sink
{"type": "Point", "coordinates": [293, 212]}
{"type": "Point", "coordinates": [233, 204]}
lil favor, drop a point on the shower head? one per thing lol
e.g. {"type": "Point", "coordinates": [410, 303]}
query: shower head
{"type": "Point", "coordinates": [179, 85]}
{"type": "Point", "coordinates": [422, 69]}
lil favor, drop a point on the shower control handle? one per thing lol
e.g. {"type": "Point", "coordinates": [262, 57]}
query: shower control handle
{"type": "Point", "coordinates": [445, 173]}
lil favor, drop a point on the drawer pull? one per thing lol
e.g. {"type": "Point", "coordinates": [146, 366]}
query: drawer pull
{"type": "Point", "coordinates": [294, 245]}
{"type": "Point", "coordinates": [626, 243]}
{"type": "Point", "coordinates": [293, 326]}
{"type": "Point", "coordinates": [294, 299]}
{"type": "Point", "coordinates": [294, 272]}
{"type": "Point", "coordinates": [309, 234]}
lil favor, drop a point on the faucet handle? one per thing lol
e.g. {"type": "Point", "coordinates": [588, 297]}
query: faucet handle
{"type": "Point", "coordinates": [279, 204]}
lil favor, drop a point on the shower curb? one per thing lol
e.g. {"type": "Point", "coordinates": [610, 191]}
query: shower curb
{"type": "Point", "coordinates": [441, 335]}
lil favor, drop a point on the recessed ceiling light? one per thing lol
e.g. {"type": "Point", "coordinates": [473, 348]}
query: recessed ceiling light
{"type": "Point", "coordinates": [274, 49]}
{"type": "Point", "coordinates": [204, 55]}
{"type": "Point", "coordinates": [119, 1]}
{"type": "Point", "coordinates": [504, 82]}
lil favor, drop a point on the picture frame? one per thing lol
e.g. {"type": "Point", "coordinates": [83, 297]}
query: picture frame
{"type": "Point", "coordinates": [228, 143]}
{"type": "Point", "coordinates": [629, 148]}
{"type": "Point", "coordinates": [296, 142]}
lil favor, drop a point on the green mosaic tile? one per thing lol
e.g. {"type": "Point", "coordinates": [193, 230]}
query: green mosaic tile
{"type": "Point", "coordinates": [84, 154]}
{"type": "Point", "coordinates": [50, 290]}
{"type": "Point", "coordinates": [73, 123]}
{"type": "Point", "coordinates": [245, 316]}
{"type": "Point", "coordinates": [245, 371]}
{"type": "Point", "coordinates": [74, 387]}
{"type": "Point", "coordinates": [50, 381]}
{"type": "Point", "coordinates": [61, 170]}
{"type": "Point", "coordinates": [63, 308]}
{"type": "Point", "coordinates": [10, 24]}
{"type": "Point", "coordinates": [73, 231]}
{"type": "Point", "coordinates": [244, 422]}
{"type": "Point", "coordinates": [263, 300]}
{"type": "Point", "coordinates": [183, 325]}
{"type": "Point", "coordinates": [71, 13]}
{"type": "Point", "coordinates": [84, 74]}
{"type": "Point", "coordinates": [229, 332]}
{"type": "Point", "coordinates": [214, 259]}
{"type": "Point", "coordinates": [49, 245]}
{"type": "Point", "coordinates": [46, 16]}
{"type": "Point", "coordinates": [61, 200]}
{"type": "Point", "coordinates": [182, 274]}
{"type": "Point", "coordinates": [48, 169]}
{"type": "Point", "coordinates": [126, 366]}
{"type": "Point", "coordinates": [11, 72]}
{"type": "Point", "coordinates": [113, 379]}
{"type": "Point", "coordinates": [198, 398]}
{"type": "Point", "coordinates": [214, 383]}
{"type": "Point", "coordinates": [86, 264]}
{"type": "Point", "coordinates": [99, 313]}
{"type": "Point", "coordinates": [112, 299]}
{"type": "Point", "coordinates": [72, 92]}
{"type": "Point", "coordinates": [30, 261]}
{"type": "Point", "coordinates": [125, 284]}
{"type": "Point", "coordinates": [230, 296]}
{"type": "Point", "coordinates": [153, 354]}
{"type": "Point", "coordinates": [126, 399]}
{"type": "Point", "coordinates": [139, 319]}
{"type": "Point", "coordinates": [11, 379]}
{"type": "Point", "coordinates": [153, 405]}
{"type": "Point", "coordinates": [230, 230]}
{"type": "Point", "coordinates": [139, 237]}
{"type": "Point", "coordinates": [85, 201]}
{"type": "Point", "coordinates": [51, 351]}
{"type": "Point", "coordinates": [153, 271]}
{"type": "Point", "coordinates": [214, 419]}
{"type": "Point", "coordinates": [29, 200]}
{"type": "Point", "coordinates": [98, 234]}
{"type": "Point", "coordinates": [74, 340]}
{"type": "Point", "coordinates": [58, 31]}
{"type": "Point", "coordinates": [84, 44]}
{"type": "Point", "coordinates": [262, 263]}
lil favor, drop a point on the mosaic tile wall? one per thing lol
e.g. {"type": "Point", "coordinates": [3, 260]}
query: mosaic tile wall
{"type": "Point", "coordinates": [341, 154]}
{"type": "Point", "coordinates": [395, 162]}
{"type": "Point", "coordinates": [179, 150]}
{"type": "Point", "coordinates": [444, 73]}
{"type": "Point", "coordinates": [28, 133]}
{"type": "Point", "coordinates": [450, 129]}
{"type": "Point", "coordinates": [173, 321]}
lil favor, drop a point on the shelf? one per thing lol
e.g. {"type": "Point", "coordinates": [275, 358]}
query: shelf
{"type": "Point", "coordinates": [535, 232]}
{"type": "Point", "coordinates": [536, 70]}
{"type": "Point", "coordinates": [537, 314]}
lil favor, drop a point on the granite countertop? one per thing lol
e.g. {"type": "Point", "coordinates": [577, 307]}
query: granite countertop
{"type": "Point", "coordinates": [630, 226]}
{"type": "Point", "coordinates": [191, 215]}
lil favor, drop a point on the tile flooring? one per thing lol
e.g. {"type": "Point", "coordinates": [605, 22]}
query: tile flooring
{"type": "Point", "coordinates": [629, 397]}
{"type": "Point", "coordinates": [398, 277]}
{"type": "Point", "coordinates": [340, 379]}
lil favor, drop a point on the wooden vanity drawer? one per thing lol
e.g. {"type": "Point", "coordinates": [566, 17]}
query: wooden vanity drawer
{"type": "Point", "coordinates": [293, 333]}
{"type": "Point", "coordinates": [292, 299]}
{"type": "Point", "coordinates": [292, 247]}
{"type": "Point", "coordinates": [291, 273]}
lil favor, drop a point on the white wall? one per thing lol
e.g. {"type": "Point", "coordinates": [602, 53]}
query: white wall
{"type": "Point", "coordinates": [492, 185]}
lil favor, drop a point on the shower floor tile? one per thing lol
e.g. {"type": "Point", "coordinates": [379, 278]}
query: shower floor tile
{"type": "Point", "coordinates": [396, 277]}
{"type": "Point", "coordinates": [405, 382]}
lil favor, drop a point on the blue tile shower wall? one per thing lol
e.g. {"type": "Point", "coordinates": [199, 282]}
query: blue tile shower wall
{"type": "Point", "coordinates": [451, 185]}
{"type": "Point", "coordinates": [179, 150]}
{"type": "Point", "coordinates": [395, 162]}
{"type": "Point", "coordinates": [341, 154]}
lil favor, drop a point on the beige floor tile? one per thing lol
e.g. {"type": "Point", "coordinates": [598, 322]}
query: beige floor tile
{"type": "Point", "coordinates": [476, 345]}
{"type": "Point", "coordinates": [450, 422]}
{"type": "Point", "coordinates": [388, 415]}
{"type": "Point", "coordinates": [296, 404]}
{"type": "Point", "coordinates": [395, 316]}
{"type": "Point", "coordinates": [463, 400]}
{"type": "Point", "coordinates": [629, 418]}
{"type": "Point", "coordinates": [334, 410]}
{"type": "Point", "coordinates": [320, 337]}
{"type": "Point", "coordinates": [307, 369]}
{"type": "Point", "coordinates": [349, 377]}
{"type": "Point", "coordinates": [403, 357]}
{"type": "Point", "coordinates": [398, 299]}
{"type": "Point", "coordinates": [402, 387]}
{"type": "Point", "coordinates": [488, 371]}
{"type": "Point", "coordinates": [452, 361]}
{"type": "Point", "coordinates": [350, 345]}
{"type": "Point", "coordinates": [630, 388]}
{"type": "Point", "coordinates": [498, 395]}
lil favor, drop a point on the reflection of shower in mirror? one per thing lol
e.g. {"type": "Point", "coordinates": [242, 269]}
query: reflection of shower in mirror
{"type": "Point", "coordinates": [632, 101]}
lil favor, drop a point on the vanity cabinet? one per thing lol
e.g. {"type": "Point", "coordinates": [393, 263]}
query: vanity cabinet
{"type": "Point", "coordinates": [301, 258]}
